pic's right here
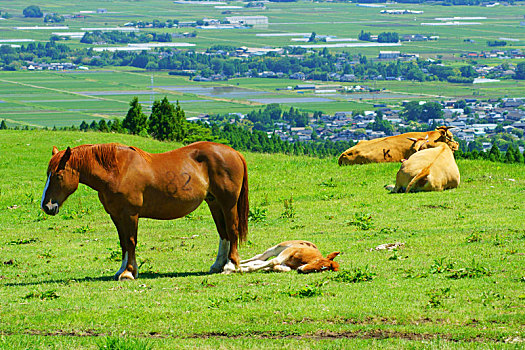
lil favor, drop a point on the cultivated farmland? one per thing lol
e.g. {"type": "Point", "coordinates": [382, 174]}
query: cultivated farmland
{"type": "Point", "coordinates": [41, 99]}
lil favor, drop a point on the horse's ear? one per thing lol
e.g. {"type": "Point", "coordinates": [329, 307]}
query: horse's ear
{"type": "Point", "coordinates": [331, 256]}
{"type": "Point", "coordinates": [64, 159]}
{"type": "Point", "coordinates": [55, 150]}
{"type": "Point", "coordinates": [67, 155]}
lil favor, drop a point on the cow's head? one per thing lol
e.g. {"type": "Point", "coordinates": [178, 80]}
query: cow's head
{"type": "Point", "coordinates": [352, 156]}
{"type": "Point", "coordinates": [321, 264]}
{"type": "Point", "coordinates": [447, 137]}
{"type": "Point", "coordinates": [418, 144]}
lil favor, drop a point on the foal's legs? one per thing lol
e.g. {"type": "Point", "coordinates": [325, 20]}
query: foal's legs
{"type": "Point", "coordinates": [127, 232]}
{"type": "Point", "coordinates": [273, 251]}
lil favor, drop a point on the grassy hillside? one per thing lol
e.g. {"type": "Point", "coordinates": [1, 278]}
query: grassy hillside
{"type": "Point", "coordinates": [457, 283]}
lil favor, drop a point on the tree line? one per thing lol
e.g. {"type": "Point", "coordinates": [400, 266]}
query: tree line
{"type": "Point", "coordinates": [167, 122]}
{"type": "Point", "coordinates": [318, 65]}
{"type": "Point", "coordinates": [115, 37]}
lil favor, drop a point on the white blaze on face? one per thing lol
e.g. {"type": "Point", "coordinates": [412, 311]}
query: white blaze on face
{"type": "Point", "coordinates": [45, 190]}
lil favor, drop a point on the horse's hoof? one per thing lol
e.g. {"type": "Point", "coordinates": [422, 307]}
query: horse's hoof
{"type": "Point", "coordinates": [215, 269]}
{"type": "Point", "coordinates": [126, 276]}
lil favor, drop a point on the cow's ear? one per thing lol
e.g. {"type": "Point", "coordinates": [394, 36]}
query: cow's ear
{"type": "Point", "coordinates": [331, 256]}
{"type": "Point", "coordinates": [54, 151]}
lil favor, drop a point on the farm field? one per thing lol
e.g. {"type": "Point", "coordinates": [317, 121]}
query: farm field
{"type": "Point", "coordinates": [47, 99]}
{"type": "Point", "coordinates": [344, 20]}
{"type": "Point", "coordinates": [458, 282]}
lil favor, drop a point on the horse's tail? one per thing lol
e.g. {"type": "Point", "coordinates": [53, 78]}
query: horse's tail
{"type": "Point", "coordinates": [243, 206]}
{"type": "Point", "coordinates": [422, 174]}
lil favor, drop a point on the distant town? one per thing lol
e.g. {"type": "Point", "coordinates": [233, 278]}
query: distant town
{"type": "Point", "coordinates": [476, 119]}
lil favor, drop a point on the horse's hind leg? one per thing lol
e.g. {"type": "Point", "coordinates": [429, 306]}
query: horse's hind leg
{"type": "Point", "coordinates": [127, 232]}
{"type": "Point", "coordinates": [224, 243]}
{"type": "Point", "coordinates": [232, 222]}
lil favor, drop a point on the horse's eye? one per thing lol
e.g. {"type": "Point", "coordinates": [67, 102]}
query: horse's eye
{"type": "Point", "coordinates": [60, 177]}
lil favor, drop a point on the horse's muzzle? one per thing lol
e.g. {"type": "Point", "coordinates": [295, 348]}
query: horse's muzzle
{"type": "Point", "coordinates": [50, 208]}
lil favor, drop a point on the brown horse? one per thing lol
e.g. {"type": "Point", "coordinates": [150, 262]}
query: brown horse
{"type": "Point", "coordinates": [132, 183]}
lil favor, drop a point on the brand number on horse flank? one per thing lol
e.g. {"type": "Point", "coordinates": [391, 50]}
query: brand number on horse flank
{"type": "Point", "coordinates": [175, 179]}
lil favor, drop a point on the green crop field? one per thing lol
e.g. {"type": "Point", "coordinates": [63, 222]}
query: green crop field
{"type": "Point", "coordinates": [47, 99]}
{"type": "Point", "coordinates": [458, 282]}
{"type": "Point", "coordinates": [344, 20]}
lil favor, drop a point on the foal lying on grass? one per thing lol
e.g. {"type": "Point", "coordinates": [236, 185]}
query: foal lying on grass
{"type": "Point", "coordinates": [302, 256]}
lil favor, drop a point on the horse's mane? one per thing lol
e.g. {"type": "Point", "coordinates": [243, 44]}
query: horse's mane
{"type": "Point", "coordinates": [84, 157]}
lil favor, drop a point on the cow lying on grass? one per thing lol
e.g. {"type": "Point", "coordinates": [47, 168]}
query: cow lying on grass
{"type": "Point", "coordinates": [432, 169]}
{"type": "Point", "coordinates": [394, 148]}
{"type": "Point", "coordinates": [302, 256]}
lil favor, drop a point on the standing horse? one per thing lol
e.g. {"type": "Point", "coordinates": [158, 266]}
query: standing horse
{"type": "Point", "coordinates": [132, 183]}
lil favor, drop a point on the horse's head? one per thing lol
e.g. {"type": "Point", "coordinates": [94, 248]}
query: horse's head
{"type": "Point", "coordinates": [62, 181]}
{"type": "Point", "coordinates": [321, 264]}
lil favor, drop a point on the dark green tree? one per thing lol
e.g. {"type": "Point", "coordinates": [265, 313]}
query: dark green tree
{"type": "Point", "coordinates": [494, 153]}
{"type": "Point", "coordinates": [116, 126]}
{"type": "Point", "coordinates": [431, 110]}
{"type": "Point", "coordinates": [412, 111]}
{"type": "Point", "coordinates": [103, 126]}
{"type": "Point", "coordinates": [520, 71]}
{"type": "Point", "coordinates": [83, 126]}
{"type": "Point", "coordinates": [3, 125]}
{"type": "Point", "coordinates": [510, 155]}
{"type": "Point", "coordinates": [33, 12]}
{"type": "Point", "coordinates": [135, 121]}
{"type": "Point", "coordinates": [166, 121]}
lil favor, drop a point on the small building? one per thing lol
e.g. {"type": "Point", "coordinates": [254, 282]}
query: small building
{"type": "Point", "coordinates": [249, 20]}
{"type": "Point", "coordinates": [389, 55]}
{"type": "Point", "coordinates": [304, 87]}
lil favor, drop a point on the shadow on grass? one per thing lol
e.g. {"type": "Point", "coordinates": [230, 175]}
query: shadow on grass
{"type": "Point", "coordinates": [143, 276]}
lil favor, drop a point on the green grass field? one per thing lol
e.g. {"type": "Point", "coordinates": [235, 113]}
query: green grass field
{"type": "Point", "coordinates": [457, 283]}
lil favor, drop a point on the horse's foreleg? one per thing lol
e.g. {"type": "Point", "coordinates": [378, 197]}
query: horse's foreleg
{"type": "Point", "coordinates": [127, 232]}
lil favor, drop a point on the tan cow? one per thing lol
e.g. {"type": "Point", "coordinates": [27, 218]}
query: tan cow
{"type": "Point", "coordinates": [394, 148]}
{"type": "Point", "coordinates": [299, 255]}
{"type": "Point", "coordinates": [432, 169]}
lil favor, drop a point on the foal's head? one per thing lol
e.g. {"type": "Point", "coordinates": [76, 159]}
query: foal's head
{"type": "Point", "coordinates": [62, 181]}
{"type": "Point", "coordinates": [321, 264]}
